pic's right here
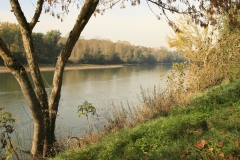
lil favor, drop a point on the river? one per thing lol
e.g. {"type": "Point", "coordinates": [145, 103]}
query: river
{"type": "Point", "coordinates": [101, 87]}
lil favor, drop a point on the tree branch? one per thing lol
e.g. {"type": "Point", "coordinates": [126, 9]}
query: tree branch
{"type": "Point", "coordinates": [37, 14]}
{"type": "Point", "coordinates": [26, 31]}
{"type": "Point", "coordinates": [83, 18]}
{"type": "Point", "coordinates": [15, 67]}
{"type": "Point", "coordinates": [164, 7]}
{"type": "Point", "coordinates": [20, 74]}
{"type": "Point", "coordinates": [8, 58]}
{"type": "Point", "coordinates": [16, 8]}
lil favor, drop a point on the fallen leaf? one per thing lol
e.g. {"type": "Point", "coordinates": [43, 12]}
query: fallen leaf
{"type": "Point", "coordinates": [201, 144]}
{"type": "Point", "coordinates": [221, 155]}
{"type": "Point", "coordinates": [211, 150]}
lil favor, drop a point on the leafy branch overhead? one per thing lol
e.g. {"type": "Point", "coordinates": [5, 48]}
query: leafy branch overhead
{"type": "Point", "coordinates": [202, 12]}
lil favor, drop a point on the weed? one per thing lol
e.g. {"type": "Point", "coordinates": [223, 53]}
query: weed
{"type": "Point", "coordinates": [85, 109]}
{"type": "Point", "coordinates": [6, 121]}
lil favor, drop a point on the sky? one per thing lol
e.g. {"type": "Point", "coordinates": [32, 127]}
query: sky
{"type": "Point", "coordinates": [137, 25]}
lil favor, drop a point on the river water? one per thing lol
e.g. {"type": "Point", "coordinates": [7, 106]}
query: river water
{"type": "Point", "coordinates": [101, 87]}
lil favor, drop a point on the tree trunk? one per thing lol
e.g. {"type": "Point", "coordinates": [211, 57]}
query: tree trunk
{"type": "Point", "coordinates": [40, 92]}
{"type": "Point", "coordinates": [43, 112]}
{"type": "Point", "coordinates": [83, 18]}
{"type": "Point", "coordinates": [38, 83]}
{"type": "Point", "coordinates": [19, 73]}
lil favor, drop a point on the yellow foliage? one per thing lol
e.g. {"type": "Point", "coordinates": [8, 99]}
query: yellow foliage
{"type": "Point", "coordinates": [207, 62]}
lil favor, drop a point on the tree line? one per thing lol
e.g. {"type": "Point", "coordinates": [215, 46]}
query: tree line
{"type": "Point", "coordinates": [47, 45]}
{"type": "Point", "coordinates": [93, 51]}
{"type": "Point", "coordinates": [102, 51]}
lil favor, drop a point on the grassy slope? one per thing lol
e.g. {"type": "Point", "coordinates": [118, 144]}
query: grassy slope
{"type": "Point", "coordinates": [207, 128]}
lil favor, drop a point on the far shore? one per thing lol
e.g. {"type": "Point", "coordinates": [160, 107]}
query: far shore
{"type": "Point", "coordinates": [68, 67]}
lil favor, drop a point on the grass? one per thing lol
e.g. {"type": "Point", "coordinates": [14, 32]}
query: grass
{"type": "Point", "coordinates": [207, 128]}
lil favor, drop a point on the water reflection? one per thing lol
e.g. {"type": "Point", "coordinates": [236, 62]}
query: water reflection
{"type": "Point", "coordinates": [8, 83]}
{"type": "Point", "coordinates": [102, 87]}
{"type": "Point", "coordinates": [72, 77]}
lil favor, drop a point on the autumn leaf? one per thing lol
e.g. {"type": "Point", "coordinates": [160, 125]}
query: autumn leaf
{"type": "Point", "coordinates": [201, 144]}
{"type": "Point", "coordinates": [221, 155]}
{"type": "Point", "coordinates": [211, 150]}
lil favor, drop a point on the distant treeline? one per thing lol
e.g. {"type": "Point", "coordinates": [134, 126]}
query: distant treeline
{"type": "Point", "coordinates": [93, 51]}
{"type": "Point", "coordinates": [103, 51]}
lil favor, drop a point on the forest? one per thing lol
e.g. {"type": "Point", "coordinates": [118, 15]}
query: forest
{"type": "Point", "coordinates": [93, 51]}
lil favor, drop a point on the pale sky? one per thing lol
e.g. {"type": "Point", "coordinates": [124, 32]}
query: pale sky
{"type": "Point", "coordinates": [137, 25]}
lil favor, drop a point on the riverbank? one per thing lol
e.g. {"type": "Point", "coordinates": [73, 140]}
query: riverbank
{"type": "Point", "coordinates": [206, 128]}
{"type": "Point", "coordinates": [69, 67]}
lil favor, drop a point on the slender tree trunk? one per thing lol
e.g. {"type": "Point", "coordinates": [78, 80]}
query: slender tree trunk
{"type": "Point", "coordinates": [83, 18]}
{"type": "Point", "coordinates": [40, 92]}
{"type": "Point", "coordinates": [19, 73]}
{"type": "Point", "coordinates": [38, 83]}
